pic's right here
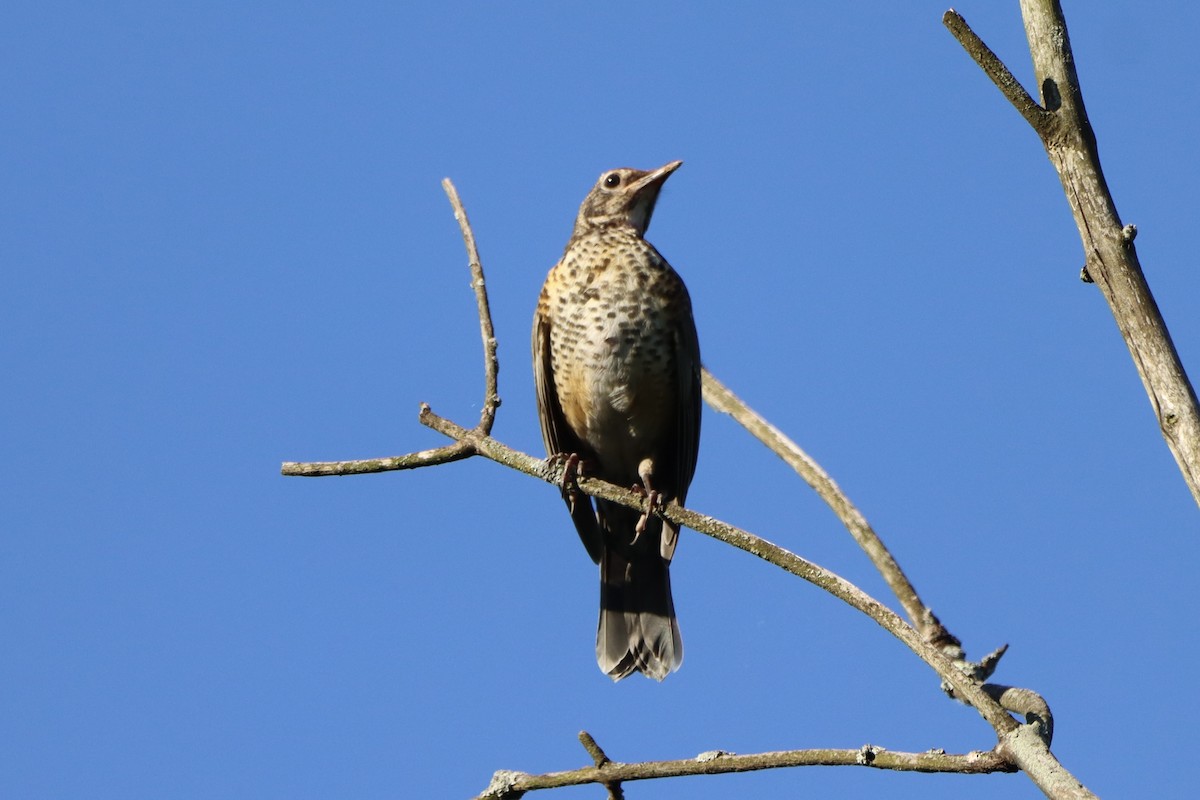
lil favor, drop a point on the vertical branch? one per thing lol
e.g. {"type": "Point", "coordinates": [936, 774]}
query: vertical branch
{"type": "Point", "coordinates": [1111, 259]}
{"type": "Point", "coordinates": [491, 365]}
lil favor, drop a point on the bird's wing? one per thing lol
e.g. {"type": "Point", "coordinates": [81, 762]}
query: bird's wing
{"type": "Point", "coordinates": [686, 439]}
{"type": "Point", "coordinates": [558, 436]}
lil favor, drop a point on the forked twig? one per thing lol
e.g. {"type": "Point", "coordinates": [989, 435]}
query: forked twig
{"type": "Point", "coordinates": [1062, 124]}
{"type": "Point", "coordinates": [491, 393]}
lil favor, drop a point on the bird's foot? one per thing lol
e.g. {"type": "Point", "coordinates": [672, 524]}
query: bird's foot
{"type": "Point", "coordinates": [572, 469]}
{"type": "Point", "coordinates": [653, 498]}
{"type": "Point", "coordinates": [654, 503]}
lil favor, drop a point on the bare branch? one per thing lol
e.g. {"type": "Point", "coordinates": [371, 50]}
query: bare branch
{"type": "Point", "coordinates": [491, 393]}
{"type": "Point", "coordinates": [491, 365]}
{"type": "Point", "coordinates": [422, 458]}
{"type": "Point", "coordinates": [1022, 701]}
{"type": "Point", "coordinates": [508, 785]}
{"type": "Point", "coordinates": [965, 688]}
{"type": "Point", "coordinates": [602, 763]}
{"type": "Point", "coordinates": [717, 395]}
{"type": "Point", "coordinates": [1026, 746]}
{"type": "Point", "coordinates": [1111, 258]}
{"type": "Point", "coordinates": [995, 69]}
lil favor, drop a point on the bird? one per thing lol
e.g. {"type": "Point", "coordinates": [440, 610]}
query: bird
{"type": "Point", "coordinates": [616, 363]}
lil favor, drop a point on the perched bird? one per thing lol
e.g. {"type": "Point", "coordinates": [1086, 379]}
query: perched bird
{"type": "Point", "coordinates": [617, 367]}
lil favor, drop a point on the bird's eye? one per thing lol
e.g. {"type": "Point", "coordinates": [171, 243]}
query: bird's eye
{"type": "Point", "coordinates": [612, 181]}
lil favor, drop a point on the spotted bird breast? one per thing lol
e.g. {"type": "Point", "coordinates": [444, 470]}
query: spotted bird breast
{"type": "Point", "coordinates": [613, 348]}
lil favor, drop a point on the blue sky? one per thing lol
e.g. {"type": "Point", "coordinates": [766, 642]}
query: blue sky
{"type": "Point", "coordinates": [225, 246]}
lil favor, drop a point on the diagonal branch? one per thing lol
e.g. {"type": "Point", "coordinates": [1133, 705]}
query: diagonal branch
{"type": "Point", "coordinates": [717, 395]}
{"type": "Point", "coordinates": [995, 69]}
{"type": "Point", "coordinates": [965, 687]}
{"type": "Point", "coordinates": [721, 399]}
{"type": "Point", "coordinates": [1112, 263]}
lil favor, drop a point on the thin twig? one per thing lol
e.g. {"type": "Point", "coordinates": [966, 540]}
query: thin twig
{"type": "Point", "coordinates": [491, 393]}
{"type": "Point", "coordinates": [423, 458]}
{"type": "Point", "coordinates": [602, 762]}
{"type": "Point", "coordinates": [508, 784]}
{"type": "Point", "coordinates": [599, 757]}
{"type": "Point", "coordinates": [491, 365]}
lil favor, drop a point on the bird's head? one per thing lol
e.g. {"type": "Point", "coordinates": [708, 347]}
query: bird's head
{"type": "Point", "coordinates": [623, 198]}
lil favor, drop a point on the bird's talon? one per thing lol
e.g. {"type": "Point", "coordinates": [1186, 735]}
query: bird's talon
{"type": "Point", "coordinates": [654, 504]}
{"type": "Point", "coordinates": [570, 476]}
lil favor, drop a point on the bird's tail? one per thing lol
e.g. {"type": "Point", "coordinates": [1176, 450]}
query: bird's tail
{"type": "Point", "coordinates": [637, 630]}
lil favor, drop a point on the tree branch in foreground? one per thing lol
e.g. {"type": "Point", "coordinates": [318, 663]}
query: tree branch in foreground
{"type": "Point", "coordinates": [1062, 124]}
{"type": "Point", "coordinates": [839, 587]}
{"type": "Point", "coordinates": [1024, 745]}
{"type": "Point", "coordinates": [507, 785]}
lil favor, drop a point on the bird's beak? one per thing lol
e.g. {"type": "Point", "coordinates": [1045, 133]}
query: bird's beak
{"type": "Point", "coordinates": [656, 177]}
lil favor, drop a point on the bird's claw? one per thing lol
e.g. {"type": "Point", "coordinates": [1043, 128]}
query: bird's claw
{"type": "Point", "coordinates": [570, 476]}
{"type": "Point", "coordinates": [654, 502]}
{"type": "Point", "coordinates": [645, 489]}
